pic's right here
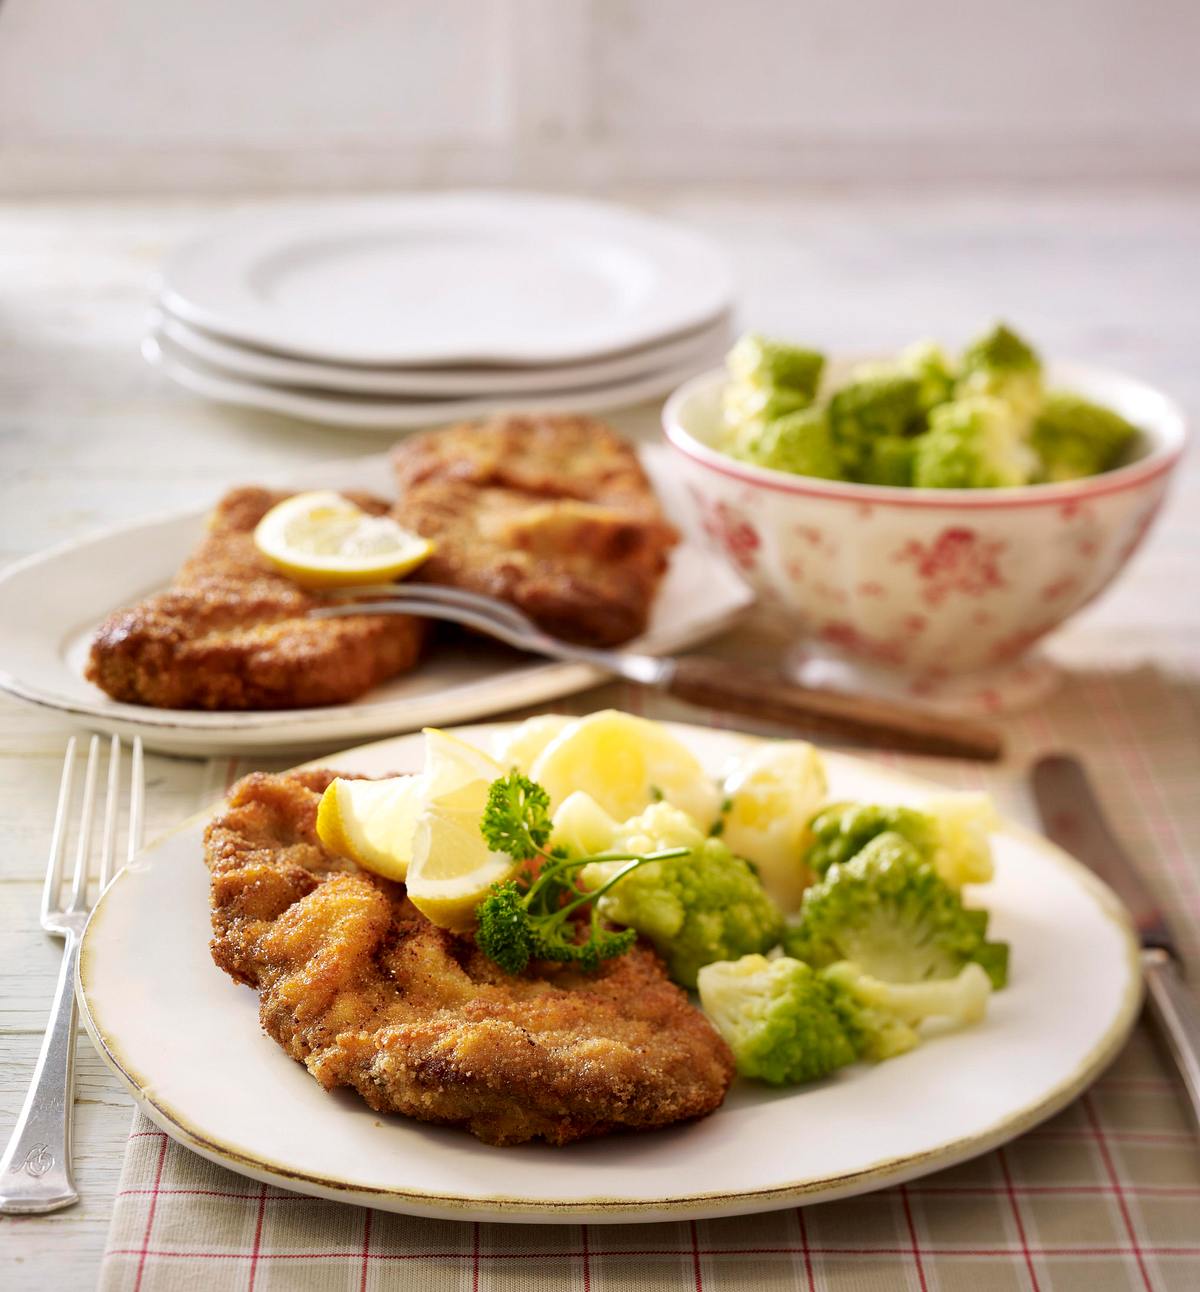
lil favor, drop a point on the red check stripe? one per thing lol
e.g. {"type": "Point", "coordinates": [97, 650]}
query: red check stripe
{"type": "Point", "coordinates": [162, 1157]}
{"type": "Point", "coordinates": [1115, 1181]}
{"type": "Point", "coordinates": [1015, 1205]}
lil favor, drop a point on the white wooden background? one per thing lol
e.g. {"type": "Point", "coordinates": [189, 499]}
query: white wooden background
{"type": "Point", "coordinates": [89, 436]}
{"type": "Point", "coordinates": [138, 95]}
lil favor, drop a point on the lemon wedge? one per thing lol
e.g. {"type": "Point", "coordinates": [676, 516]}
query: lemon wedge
{"type": "Point", "coordinates": [625, 763]}
{"type": "Point", "coordinates": [772, 794]}
{"type": "Point", "coordinates": [372, 822]}
{"type": "Point", "coordinates": [323, 540]}
{"type": "Point", "coordinates": [375, 822]}
{"type": "Point", "coordinates": [452, 867]}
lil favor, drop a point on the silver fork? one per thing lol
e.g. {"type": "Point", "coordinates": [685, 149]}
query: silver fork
{"type": "Point", "coordinates": [711, 683]}
{"type": "Point", "coordinates": [35, 1172]}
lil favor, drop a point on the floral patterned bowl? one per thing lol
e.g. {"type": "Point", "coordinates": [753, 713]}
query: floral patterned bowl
{"type": "Point", "coordinates": [919, 587]}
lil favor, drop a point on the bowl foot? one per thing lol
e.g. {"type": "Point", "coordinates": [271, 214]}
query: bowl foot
{"type": "Point", "coordinates": [1005, 689]}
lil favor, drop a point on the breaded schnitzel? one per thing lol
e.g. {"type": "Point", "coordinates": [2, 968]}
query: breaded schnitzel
{"type": "Point", "coordinates": [358, 985]}
{"type": "Point", "coordinates": [231, 632]}
{"type": "Point", "coordinates": [551, 513]}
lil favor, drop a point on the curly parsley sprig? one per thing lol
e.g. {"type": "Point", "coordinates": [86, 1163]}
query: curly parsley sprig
{"type": "Point", "coordinates": [531, 917]}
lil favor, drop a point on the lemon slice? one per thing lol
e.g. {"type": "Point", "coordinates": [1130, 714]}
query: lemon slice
{"type": "Point", "coordinates": [452, 867]}
{"type": "Point", "coordinates": [324, 540]}
{"type": "Point", "coordinates": [456, 771]}
{"type": "Point", "coordinates": [772, 795]}
{"type": "Point", "coordinates": [372, 822]}
{"type": "Point", "coordinates": [625, 763]}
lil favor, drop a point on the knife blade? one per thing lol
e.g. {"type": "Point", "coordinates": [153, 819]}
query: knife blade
{"type": "Point", "coordinates": [1073, 819]}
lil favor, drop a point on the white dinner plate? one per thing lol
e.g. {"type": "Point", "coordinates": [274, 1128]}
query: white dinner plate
{"type": "Point", "coordinates": [186, 1041]}
{"type": "Point", "coordinates": [449, 278]}
{"type": "Point", "coordinates": [51, 604]}
{"type": "Point", "coordinates": [699, 348]}
{"type": "Point", "coordinates": [390, 414]}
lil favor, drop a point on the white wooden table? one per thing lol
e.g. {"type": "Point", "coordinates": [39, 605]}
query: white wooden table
{"type": "Point", "coordinates": [89, 435]}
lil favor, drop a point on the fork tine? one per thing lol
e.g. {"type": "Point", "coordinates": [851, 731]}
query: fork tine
{"type": "Point", "coordinates": [58, 838]}
{"type": "Point", "coordinates": [403, 594]}
{"type": "Point", "coordinates": [111, 805]}
{"type": "Point", "coordinates": [521, 636]}
{"type": "Point", "coordinates": [84, 845]}
{"type": "Point", "coordinates": [137, 800]}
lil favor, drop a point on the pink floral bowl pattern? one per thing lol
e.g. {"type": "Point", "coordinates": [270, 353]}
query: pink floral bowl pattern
{"type": "Point", "coordinates": [927, 582]}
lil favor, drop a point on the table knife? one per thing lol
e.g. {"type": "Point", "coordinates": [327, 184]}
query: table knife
{"type": "Point", "coordinates": [1072, 818]}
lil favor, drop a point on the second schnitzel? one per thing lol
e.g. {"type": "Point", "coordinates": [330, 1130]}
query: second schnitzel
{"type": "Point", "coordinates": [553, 514]}
{"type": "Point", "coordinates": [231, 632]}
{"type": "Point", "coordinates": [360, 987]}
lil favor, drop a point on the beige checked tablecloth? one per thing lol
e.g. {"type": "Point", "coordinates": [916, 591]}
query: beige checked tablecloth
{"type": "Point", "coordinates": [1104, 1196]}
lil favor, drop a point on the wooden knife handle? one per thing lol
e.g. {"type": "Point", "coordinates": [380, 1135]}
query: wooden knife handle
{"type": "Point", "coordinates": [759, 693]}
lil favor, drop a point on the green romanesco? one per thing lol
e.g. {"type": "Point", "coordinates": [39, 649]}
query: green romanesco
{"type": "Point", "coordinates": [889, 911]}
{"type": "Point", "coordinates": [708, 905]}
{"type": "Point", "coordinates": [925, 362]}
{"type": "Point", "coordinates": [1005, 367]}
{"type": "Point", "coordinates": [890, 461]}
{"type": "Point", "coordinates": [1074, 437]}
{"type": "Point", "coordinates": [950, 832]}
{"type": "Point", "coordinates": [884, 406]}
{"type": "Point", "coordinates": [974, 443]}
{"type": "Point", "coordinates": [788, 1023]}
{"type": "Point", "coordinates": [891, 1012]}
{"type": "Point", "coordinates": [784, 1021]}
{"type": "Point", "coordinates": [775, 365]}
{"type": "Point", "coordinates": [798, 442]}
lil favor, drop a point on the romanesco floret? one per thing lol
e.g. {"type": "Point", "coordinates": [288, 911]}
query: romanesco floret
{"type": "Point", "coordinates": [950, 832]}
{"type": "Point", "coordinates": [708, 905]}
{"type": "Point", "coordinates": [872, 408]}
{"type": "Point", "coordinates": [1006, 367]}
{"type": "Point", "coordinates": [926, 363]}
{"type": "Point", "coordinates": [889, 911]}
{"type": "Point", "coordinates": [929, 364]}
{"type": "Point", "coordinates": [798, 442]}
{"type": "Point", "coordinates": [750, 409]}
{"type": "Point", "coordinates": [890, 461]}
{"type": "Point", "coordinates": [1076, 438]}
{"type": "Point", "coordinates": [776, 365]}
{"type": "Point", "coordinates": [787, 1022]}
{"type": "Point", "coordinates": [889, 1013]}
{"type": "Point", "coordinates": [784, 1022]}
{"type": "Point", "coordinates": [975, 443]}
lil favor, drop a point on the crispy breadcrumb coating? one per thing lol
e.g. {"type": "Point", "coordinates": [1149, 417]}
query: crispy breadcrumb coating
{"type": "Point", "coordinates": [356, 984]}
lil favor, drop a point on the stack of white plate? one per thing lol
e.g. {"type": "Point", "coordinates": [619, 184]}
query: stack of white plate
{"type": "Point", "coordinates": [429, 308]}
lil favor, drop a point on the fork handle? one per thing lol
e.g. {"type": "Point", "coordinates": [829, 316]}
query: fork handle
{"type": "Point", "coordinates": [757, 693]}
{"type": "Point", "coordinates": [35, 1172]}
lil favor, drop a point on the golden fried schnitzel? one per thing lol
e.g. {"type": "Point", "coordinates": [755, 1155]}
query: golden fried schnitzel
{"type": "Point", "coordinates": [552, 513]}
{"type": "Point", "coordinates": [356, 984]}
{"type": "Point", "coordinates": [231, 631]}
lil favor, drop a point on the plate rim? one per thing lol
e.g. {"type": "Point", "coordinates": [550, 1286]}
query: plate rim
{"type": "Point", "coordinates": [717, 272]}
{"type": "Point", "coordinates": [253, 363]}
{"type": "Point", "coordinates": [388, 415]}
{"type": "Point", "coordinates": [511, 1209]}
